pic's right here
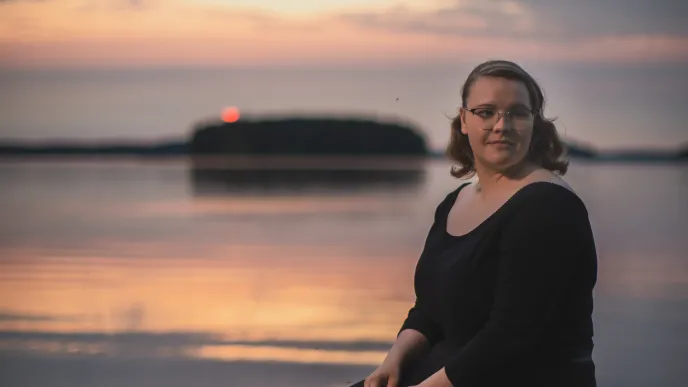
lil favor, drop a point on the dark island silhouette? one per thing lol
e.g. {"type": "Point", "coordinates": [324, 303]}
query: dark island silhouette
{"type": "Point", "coordinates": [308, 136]}
{"type": "Point", "coordinates": [299, 136]}
{"type": "Point", "coordinates": [350, 156]}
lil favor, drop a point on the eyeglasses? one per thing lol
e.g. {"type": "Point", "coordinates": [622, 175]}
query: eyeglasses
{"type": "Point", "coordinates": [492, 115]}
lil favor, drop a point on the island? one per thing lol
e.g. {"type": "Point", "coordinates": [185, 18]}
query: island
{"type": "Point", "coordinates": [298, 154]}
{"type": "Point", "coordinates": [311, 137]}
{"type": "Point", "coordinates": [308, 137]}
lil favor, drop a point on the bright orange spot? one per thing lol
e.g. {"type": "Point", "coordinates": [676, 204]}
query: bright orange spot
{"type": "Point", "coordinates": [230, 114]}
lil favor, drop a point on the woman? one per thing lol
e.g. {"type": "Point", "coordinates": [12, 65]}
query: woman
{"type": "Point", "coordinates": [505, 280]}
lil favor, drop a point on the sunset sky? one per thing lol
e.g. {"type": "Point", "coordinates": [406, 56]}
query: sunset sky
{"type": "Point", "coordinates": [78, 33]}
{"type": "Point", "coordinates": [614, 71]}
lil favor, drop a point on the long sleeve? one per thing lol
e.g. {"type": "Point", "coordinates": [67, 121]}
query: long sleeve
{"type": "Point", "coordinates": [548, 238]}
{"type": "Point", "coordinates": [418, 318]}
{"type": "Point", "coordinates": [421, 322]}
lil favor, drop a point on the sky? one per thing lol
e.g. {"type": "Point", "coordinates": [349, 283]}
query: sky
{"type": "Point", "coordinates": [614, 71]}
{"type": "Point", "coordinates": [89, 33]}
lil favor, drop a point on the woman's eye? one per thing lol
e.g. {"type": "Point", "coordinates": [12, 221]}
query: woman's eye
{"type": "Point", "coordinates": [520, 113]}
{"type": "Point", "coordinates": [485, 113]}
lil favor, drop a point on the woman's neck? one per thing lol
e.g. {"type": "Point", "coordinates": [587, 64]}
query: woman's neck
{"type": "Point", "coordinates": [490, 181]}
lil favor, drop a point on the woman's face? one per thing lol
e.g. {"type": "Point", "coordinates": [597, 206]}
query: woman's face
{"type": "Point", "coordinates": [498, 121]}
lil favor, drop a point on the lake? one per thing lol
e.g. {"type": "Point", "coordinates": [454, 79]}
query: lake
{"type": "Point", "coordinates": [173, 273]}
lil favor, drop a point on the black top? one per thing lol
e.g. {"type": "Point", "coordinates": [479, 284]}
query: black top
{"type": "Point", "coordinates": [513, 297]}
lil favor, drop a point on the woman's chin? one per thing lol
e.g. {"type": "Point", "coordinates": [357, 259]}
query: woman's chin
{"type": "Point", "coordinates": [503, 159]}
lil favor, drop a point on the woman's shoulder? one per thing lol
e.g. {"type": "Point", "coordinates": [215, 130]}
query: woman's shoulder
{"type": "Point", "coordinates": [550, 212]}
{"type": "Point", "coordinates": [548, 197]}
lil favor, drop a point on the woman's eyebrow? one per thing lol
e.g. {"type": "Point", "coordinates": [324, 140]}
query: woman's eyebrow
{"type": "Point", "coordinates": [519, 105]}
{"type": "Point", "coordinates": [493, 105]}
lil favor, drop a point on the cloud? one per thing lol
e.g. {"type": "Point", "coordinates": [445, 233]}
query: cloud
{"type": "Point", "coordinates": [498, 18]}
{"type": "Point", "coordinates": [540, 20]}
{"type": "Point", "coordinates": [585, 18]}
{"type": "Point", "coordinates": [155, 32]}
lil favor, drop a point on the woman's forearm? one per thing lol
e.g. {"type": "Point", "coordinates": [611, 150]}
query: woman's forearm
{"type": "Point", "coordinates": [408, 346]}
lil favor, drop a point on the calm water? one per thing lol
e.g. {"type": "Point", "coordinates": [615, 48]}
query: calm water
{"type": "Point", "coordinates": [159, 274]}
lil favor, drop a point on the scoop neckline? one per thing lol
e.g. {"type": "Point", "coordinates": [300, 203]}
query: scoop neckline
{"type": "Point", "coordinates": [495, 213]}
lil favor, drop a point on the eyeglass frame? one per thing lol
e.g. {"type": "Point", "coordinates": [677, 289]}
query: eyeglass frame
{"type": "Point", "coordinates": [500, 115]}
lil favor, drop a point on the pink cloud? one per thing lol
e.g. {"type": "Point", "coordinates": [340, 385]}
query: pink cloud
{"type": "Point", "coordinates": [45, 35]}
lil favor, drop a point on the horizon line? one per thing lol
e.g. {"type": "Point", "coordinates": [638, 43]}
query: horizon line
{"type": "Point", "coordinates": [105, 142]}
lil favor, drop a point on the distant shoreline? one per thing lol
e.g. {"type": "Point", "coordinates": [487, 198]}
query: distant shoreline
{"type": "Point", "coordinates": [174, 149]}
{"type": "Point", "coordinates": [288, 161]}
{"type": "Point", "coordinates": [295, 138]}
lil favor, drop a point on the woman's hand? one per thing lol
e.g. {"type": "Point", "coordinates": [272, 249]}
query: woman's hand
{"type": "Point", "coordinates": [386, 375]}
{"type": "Point", "coordinates": [408, 345]}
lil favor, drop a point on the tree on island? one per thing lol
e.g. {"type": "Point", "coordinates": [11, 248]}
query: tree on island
{"type": "Point", "coordinates": [307, 136]}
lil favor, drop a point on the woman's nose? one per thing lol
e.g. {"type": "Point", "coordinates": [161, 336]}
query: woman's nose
{"type": "Point", "coordinates": [502, 125]}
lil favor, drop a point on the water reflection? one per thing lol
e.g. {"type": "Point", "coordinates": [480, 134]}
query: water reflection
{"type": "Point", "coordinates": [230, 302]}
{"type": "Point", "coordinates": [286, 273]}
{"type": "Point", "coordinates": [218, 177]}
{"type": "Point", "coordinates": [149, 345]}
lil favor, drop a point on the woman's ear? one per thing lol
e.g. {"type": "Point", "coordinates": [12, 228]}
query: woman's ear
{"type": "Point", "coordinates": [462, 116]}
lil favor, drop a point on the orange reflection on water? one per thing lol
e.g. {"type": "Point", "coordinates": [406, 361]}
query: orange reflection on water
{"type": "Point", "coordinates": [237, 352]}
{"type": "Point", "coordinates": [238, 205]}
{"type": "Point", "coordinates": [271, 205]}
{"type": "Point", "coordinates": [239, 292]}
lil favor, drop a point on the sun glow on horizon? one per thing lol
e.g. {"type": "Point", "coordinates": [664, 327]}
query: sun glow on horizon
{"type": "Point", "coordinates": [231, 114]}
